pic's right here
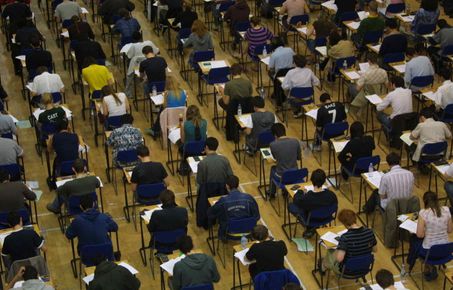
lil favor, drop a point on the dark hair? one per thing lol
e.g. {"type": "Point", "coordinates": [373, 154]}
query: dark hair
{"type": "Point", "coordinates": [334, 37]}
{"type": "Point", "coordinates": [260, 233]}
{"type": "Point", "coordinates": [185, 244]}
{"type": "Point", "coordinates": [255, 20]}
{"type": "Point", "coordinates": [324, 97]}
{"type": "Point", "coordinates": [373, 6]}
{"type": "Point", "coordinates": [86, 201]}
{"type": "Point", "coordinates": [278, 130]}
{"type": "Point", "coordinates": [299, 60]}
{"type": "Point", "coordinates": [127, 119]}
{"type": "Point", "coordinates": [212, 143]}
{"type": "Point", "coordinates": [318, 177]}
{"type": "Point", "coordinates": [79, 165]}
{"type": "Point", "coordinates": [41, 69]}
{"type": "Point", "coordinates": [371, 57]}
{"type": "Point", "coordinates": [347, 217]}
{"type": "Point", "coordinates": [410, 51]}
{"type": "Point", "coordinates": [391, 23]}
{"type": "Point", "coordinates": [427, 112]}
{"type": "Point", "coordinates": [13, 218]}
{"type": "Point", "coordinates": [445, 72]}
{"type": "Point", "coordinates": [232, 181]}
{"type": "Point", "coordinates": [35, 41]}
{"type": "Point", "coordinates": [142, 151]}
{"type": "Point", "coordinates": [431, 201]}
{"type": "Point", "coordinates": [384, 278]}
{"type": "Point", "coordinates": [167, 197]}
{"type": "Point", "coordinates": [123, 12]}
{"type": "Point", "coordinates": [356, 130]}
{"type": "Point", "coordinates": [147, 49]}
{"type": "Point", "coordinates": [277, 42]}
{"type": "Point", "coordinates": [429, 5]}
{"type": "Point", "coordinates": [63, 125]}
{"type": "Point", "coordinates": [136, 36]}
{"type": "Point", "coordinates": [4, 175]}
{"type": "Point", "coordinates": [419, 47]}
{"type": "Point", "coordinates": [30, 272]}
{"type": "Point", "coordinates": [397, 81]}
{"type": "Point", "coordinates": [393, 159]}
{"type": "Point", "coordinates": [291, 286]}
{"type": "Point", "coordinates": [236, 69]}
{"type": "Point", "coordinates": [442, 23]}
{"type": "Point", "coordinates": [258, 102]}
{"type": "Point", "coordinates": [108, 90]}
{"type": "Point", "coordinates": [88, 60]}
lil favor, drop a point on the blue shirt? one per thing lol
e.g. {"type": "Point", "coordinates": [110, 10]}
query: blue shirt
{"type": "Point", "coordinates": [173, 101]}
{"type": "Point", "coordinates": [424, 17]}
{"type": "Point", "coordinates": [417, 67]}
{"type": "Point", "coordinates": [127, 27]}
{"type": "Point", "coordinates": [189, 130]}
{"type": "Point", "coordinates": [281, 58]}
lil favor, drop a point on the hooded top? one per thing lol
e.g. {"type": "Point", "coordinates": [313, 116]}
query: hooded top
{"type": "Point", "coordinates": [35, 284]}
{"type": "Point", "coordinates": [110, 276]}
{"type": "Point", "coordinates": [194, 269]}
{"type": "Point", "coordinates": [199, 43]}
{"type": "Point", "coordinates": [239, 12]}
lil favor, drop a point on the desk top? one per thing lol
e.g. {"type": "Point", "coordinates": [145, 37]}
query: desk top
{"type": "Point", "coordinates": [333, 229]}
{"type": "Point", "coordinates": [301, 186]}
{"type": "Point", "coordinates": [214, 200]}
{"type": "Point", "coordinates": [206, 66]}
{"type": "Point", "coordinates": [127, 171]}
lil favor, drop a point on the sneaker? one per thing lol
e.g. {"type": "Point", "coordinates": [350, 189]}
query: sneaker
{"type": "Point", "coordinates": [51, 209]}
{"type": "Point", "coordinates": [316, 148]}
{"type": "Point", "coordinates": [151, 132]}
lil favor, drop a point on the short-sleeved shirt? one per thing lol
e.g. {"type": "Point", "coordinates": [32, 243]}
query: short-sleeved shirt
{"type": "Point", "coordinates": [148, 173]}
{"type": "Point", "coordinates": [67, 9]}
{"type": "Point", "coordinates": [9, 151]}
{"type": "Point", "coordinates": [79, 186]}
{"type": "Point", "coordinates": [7, 124]}
{"type": "Point", "coordinates": [22, 244]}
{"type": "Point", "coordinates": [261, 121]}
{"type": "Point", "coordinates": [176, 99]}
{"type": "Point", "coordinates": [330, 113]}
{"type": "Point", "coordinates": [286, 151]}
{"type": "Point", "coordinates": [66, 146]}
{"type": "Point", "coordinates": [238, 88]}
{"type": "Point", "coordinates": [189, 131]}
{"type": "Point", "coordinates": [357, 242]}
{"type": "Point", "coordinates": [97, 76]}
{"type": "Point", "coordinates": [435, 227]}
{"type": "Point", "coordinates": [154, 67]}
{"type": "Point", "coordinates": [55, 115]}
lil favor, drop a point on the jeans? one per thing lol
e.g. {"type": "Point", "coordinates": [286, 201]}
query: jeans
{"type": "Point", "coordinates": [128, 90]}
{"type": "Point", "coordinates": [385, 120]}
{"type": "Point", "coordinates": [311, 45]}
{"type": "Point", "coordinates": [318, 137]}
{"type": "Point", "coordinates": [449, 189]}
{"type": "Point", "coordinates": [216, 15]}
{"type": "Point", "coordinates": [273, 175]}
{"type": "Point", "coordinates": [372, 202]}
{"type": "Point", "coordinates": [58, 201]}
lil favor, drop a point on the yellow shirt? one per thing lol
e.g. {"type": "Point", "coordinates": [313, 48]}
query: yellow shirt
{"type": "Point", "coordinates": [97, 76]}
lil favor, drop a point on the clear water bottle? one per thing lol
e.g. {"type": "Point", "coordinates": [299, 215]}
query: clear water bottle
{"type": "Point", "coordinates": [408, 9]}
{"type": "Point", "coordinates": [244, 242]}
{"type": "Point", "coordinates": [239, 110]}
{"type": "Point", "coordinates": [403, 273]}
{"type": "Point", "coordinates": [262, 92]}
{"type": "Point", "coordinates": [264, 51]}
{"type": "Point", "coordinates": [154, 89]}
{"type": "Point", "coordinates": [345, 64]}
{"type": "Point", "coordinates": [370, 170]}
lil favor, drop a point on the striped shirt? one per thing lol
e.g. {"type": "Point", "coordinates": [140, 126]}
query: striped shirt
{"type": "Point", "coordinates": [436, 228]}
{"type": "Point", "coordinates": [397, 183]}
{"type": "Point", "coordinates": [256, 37]}
{"type": "Point", "coordinates": [357, 242]}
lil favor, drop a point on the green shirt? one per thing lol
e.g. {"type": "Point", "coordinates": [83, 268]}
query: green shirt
{"type": "Point", "coordinates": [238, 88]}
{"type": "Point", "coordinates": [370, 24]}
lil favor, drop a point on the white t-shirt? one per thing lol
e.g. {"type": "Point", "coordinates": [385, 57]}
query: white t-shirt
{"type": "Point", "coordinates": [113, 107]}
{"type": "Point", "coordinates": [46, 83]}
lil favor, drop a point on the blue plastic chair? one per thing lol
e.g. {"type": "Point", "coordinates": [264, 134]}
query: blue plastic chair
{"type": "Point", "coordinates": [89, 254]}
{"type": "Point", "coordinates": [448, 50]}
{"type": "Point", "coordinates": [393, 57]}
{"type": "Point", "coordinates": [241, 26]}
{"type": "Point", "coordinates": [199, 287]}
{"type": "Point", "coordinates": [302, 96]}
{"type": "Point", "coordinates": [433, 152]}
{"type": "Point", "coordinates": [66, 168]}
{"type": "Point", "coordinates": [96, 95]}
{"type": "Point", "coordinates": [276, 3]}
{"type": "Point", "coordinates": [46, 130]}
{"type": "Point", "coordinates": [422, 81]}
{"type": "Point", "coordinates": [437, 255]}
{"type": "Point", "coordinates": [291, 176]}
{"type": "Point", "coordinates": [424, 29]}
{"type": "Point", "coordinates": [361, 166]}
{"type": "Point", "coordinates": [259, 50]}
{"type": "Point", "coordinates": [350, 61]}
{"type": "Point", "coordinates": [225, 5]}
{"type": "Point", "coordinates": [263, 140]}
{"type": "Point", "coordinates": [73, 206]}
{"type": "Point", "coordinates": [160, 86]}
{"type": "Point", "coordinates": [113, 122]}
{"type": "Point", "coordinates": [355, 268]}
{"type": "Point", "coordinates": [348, 16]}
{"type": "Point", "coordinates": [304, 18]}
{"type": "Point", "coordinates": [395, 8]}
{"type": "Point", "coordinates": [24, 214]}
{"type": "Point", "coordinates": [193, 148]}
{"type": "Point", "coordinates": [217, 76]}
{"type": "Point", "coordinates": [184, 33]}
{"type": "Point", "coordinates": [8, 135]}
{"type": "Point", "coordinates": [66, 23]}
{"type": "Point", "coordinates": [14, 170]}
{"type": "Point", "coordinates": [371, 37]}
{"type": "Point", "coordinates": [273, 280]}
{"type": "Point", "coordinates": [199, 56]}
{"type": "Point", "coordinates": [125, 40]}
{"type": "Point", "coordinates": [148, 194]}
{"type": "Point", "coordinates": [333, 130]}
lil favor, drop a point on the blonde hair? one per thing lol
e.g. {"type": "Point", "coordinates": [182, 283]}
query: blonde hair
{"type": "Point", "coordinates": [199, 28]}
{"type": "Point", "coordinates": [174, 86]}
{"type": "Point", "coordinates": [46, 99]}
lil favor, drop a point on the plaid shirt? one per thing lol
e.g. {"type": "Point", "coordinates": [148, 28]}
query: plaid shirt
{"type": "Point", "coordinates": [374, 75]}
{"type": "Point", "coordinates": [123, 138]}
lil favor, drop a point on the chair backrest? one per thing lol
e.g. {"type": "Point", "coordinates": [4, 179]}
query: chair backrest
{"type": "Point", "coordinates": [362, 164]}
{"type": "Point", "coordinates": [326, 213]}
{"type": "Point", "coordinates": [57, 97]}
{"type": "Point", "coordinates": [66, 23]}
{"type": "Point", "coordinates": [439, 254]}
{"type": "Point", "coordinates": [184, 33]}
{"type": "Point", "coordinates": [276, 3]}
{"type": "Point", "coordinates": [225, 5]}
{"type": "Point", "coordinates": [125, 40]}
{"type": "Point", "coordinates": [96, 95]}
{"type": "Point", "coordinates": [66, 168]}
{"type": "Point", "coordinates": [272, 280]}
{"type": "Point", "coordinates": [203, 55]}
{"type": "Point", "coordinates": [447, 50]}
{"type": "Point", "coordinates": [447, 115]}
{"type": "Point", "coordinates": [199, 287]}
{"type": "Point", "coordinates": [48, 129]}
{"type": "Point", "coordinates": [339, 63]}
{"type": "Point", "coordinates": [293, 176]}
{"type": "Point", "coordinates": [160, 86]}
{"type": "Point", "coordinates": [38, 262]}
{"type": "Point", "coordinates": [8, 135]}
{"type": "Point", "coordinates": [395, 8]}
{"type": "Point", "coordinates": [349, 16]}
{"type": "Point", "coordinates": [24, 214]}
{"type": "Point", "coordinates": [218, 75]}
{"type": "Point", "coordinates": [127, 156]}
{"type": "Point", "coordinates": [241, 26]}
{"type": "Point", "coordinates": [422, 81]}
{"type": "Point", "coordinates": [358, 266]}
{"type": "Point", "coordinates": [393, 57]}
{"type": "Point", "coordinates": [335, 129]}
{"type": "Point", "coordinates": [424, 29]}
{"type": "Point", "coordinates": [434, 151]}
{"type": "Point", "coordinates": [304, 18]}
{"type": "Point", "coordinates": [89, 254]}
{"type": "Point", "coordinates": [320, 41]}
{"type": "Point", "coordinates": [259, 49]}
{"type": "Point", "coordinates": [372, 37]}
{"type": "Point", "coordinates": [14, 170]}
{"type": "Point", "coordinates": [149, 193]}
{"type": "Point", "coordinates": [241, 226]}
{"type": "Point", "coordinates": [302, 93]}
{"type": "Point", "coordinates": [265, 138]}
{"type": "Point", "coordinates": [74, 203]}
{"type": "Point", "coordinates": [114, 122]}
{"type": "Point", "coordinates": [165, 241]}
{"type": "Point", "coordinates": [194, 148]}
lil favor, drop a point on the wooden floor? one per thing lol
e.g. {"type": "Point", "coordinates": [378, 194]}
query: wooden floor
{"type": "Point", "coordinates": [59, 247]}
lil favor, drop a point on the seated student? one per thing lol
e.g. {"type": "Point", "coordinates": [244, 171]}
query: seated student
{"type": "Point", "coordinates": [428, 131]}
{"type": "Point", "coordinates": [186, 18]}
{"type": "Point", "coordinates": [344, 6]}
{"type": "Point", "coordinates": [427, 14]}
{"type": "Point", "coordinates": [65, 144]}
{"type": "Point", "coordinates": [125, 137]}
{"type": "Point", "coordinates": [291, 8]}
{"type": "Point", "coordinates": [444, 94]}
{"type": "Point", "coordinates": [52, 114]}
{"type": "Point", "coordinates": [306, 201]}
{"type": "Point", "coordinates": [395, 184]}
{"type": "Point", "coordinates": [286, 152]}
{"type": "Point", "coordinates": [114, 104]}
{"type": "Point", "coordinates": [433, 228]}
{"type": "Point", "coordinates": [236, 13]}
{"type": "Point", "coordinates": [299, 77]}
{"type": "Point", "coordinates": [153, 67]}
{"type": "Point", "coordinates": [257, 35]}
{"type": "Point", "coordinates": [384, 278]}
{"type": "Point", "coordinates": [268, 254]}
{"type": "Point", "coordinates": [79, 30]}
{"type": "Point", "coordinates": [199, 40]}
{"type": "Point", "coordinates": [7, 125]}
{"type": "Point", "coordinates": [13, 194]}
{"type": "Point", "coordinates": [15, 12]}
{"type": "Point", "coordinates": [126, 25]}
{"type": "Point", "coordinates": [85, 48]}
{"type": "Point", "coordinates": [419, 65]}
{"type": "Point", "coordinates": [45, 82]}
{"type": "Point", "coordinates": [235, 205]}
{"type": "Point", "coordinates": [329, 112]}
{"type": "Point", "coordinates": [97, 76]}
{"type": "Point", "coordinates": [281, 58]}
{"type": "Point", "coordinates": [31, 280]}
{"type": "Point", "coordinates": [195, 127]}
{"type": "Point", "coordinates": [393, 40]}
{"type": "Point", "coordinates": [25, 33]}
{"type": "Point", "coordinates": [338, 46]}
{"type": "Point", "coordinates": [238, 87]}
{"type": "Point", "coordinates": [110, 276]}
{"type": "Point", "coordinates": [171, 217]}
{"type": "Point", "coordinates": [9, 151]}
{"type": "Point", "coordinates": [110, 8]}
{"type": "Point", "coordinates": [147, 171]}
{"type": "Point", "coordinates": [399, 98]}
{"type": "Point", "coordinates": [3, 98]}
{"type": "Point", "coordinates": [360, 145]}
{"type": "Point", "coordinates": [82, 184]}
{"type": "Point", "coordinates": [262, 121]}
{"type": "Point", "coordinates": [321, 28]}
{"type": "Point", "coordinates": [37, 57]}
{"type": "Point", "coordinates": [194, 269]}
{"type": "Point", "coordinates": [443, 37]}
{"type": "Point", "coordinates": [373, 23]}
{"type": "Point", "coordinates": [91, 227]}
{"type": "Point", "coordinates": [357, 241]}
{"type": "Point", "coordinates": [21, 243]}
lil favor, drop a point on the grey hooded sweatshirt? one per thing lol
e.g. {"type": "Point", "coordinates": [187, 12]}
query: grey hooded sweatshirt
{"type": "Point", "coordinates": [199, 43]}
{"type": "Point", "coordinates": [194, 269]}
{"type": "Point", "coordinates": [35, 284]}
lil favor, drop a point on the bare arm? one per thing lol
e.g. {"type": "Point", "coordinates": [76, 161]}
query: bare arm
{"type": "Point", "coordinates": [128, 108]}
{"type": "Point", "coordinates": [421, 227]}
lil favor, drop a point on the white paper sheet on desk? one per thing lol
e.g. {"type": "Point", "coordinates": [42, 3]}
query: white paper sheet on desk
{"type": "Point", "coordinates": [84, 10]}
{"type": "Point", "coordinates": [170, 264]}
{"type": "Point", "coordinates": [430, 95]}
{"type": "Point", "coordinates": [374, 178]}
{"type": "Point", "coordinates": [146, 216]}
{"type": "Point", "coordinates": [408, 18]}
{"type": "Point", "coordinates": [266, 60]}
{"type": "Point", "coordinates": [311, 187]}
{"type": "Point", "coordinates": [401, 68]}
{"type": "Point", "coordinates": [21, 57]}
{"type": "Point", "coordinates": [312, 113]}
{"type": "Point", "coordinates": [218, 63]}
{"type": "Point", "coordinates": [353, 75]}
{"type": "Point", "coordinates": [374, 99]}
{"type": "Point", "coordinates": [246, 120]}
{"type": "Point", "coordinates": [364, 66]}
{"type": "Point", "coordinates": [61, 182]}
{"type": "Point", "coordinates": [354, 25]}
{"type": "Point", "coordinates": [322, 50]}
{"type": "Point", "coordinates": [443, 168]}
{"type": "Point", "coordinates": [330, 237]}
{"type": "Point", "coordinates": [129, 267]}
{"type": "Point", "coordinates": [158, 99]}
{"type": "Point", "coordinates": [406, 138]}
{"type": "Point", "coordinates": [409, 225]}
{"type": "Point", "coordinates": [65, 34]}
{"type": "Point", "coordinates": [398, 285]}
{"type": "Point", "coordinates": [303, 30]}
{"type": "Point", "coordinates": [402, 217]}
{"type": "Point", "coordinates": [363, 14]}
{"type": "Point", "coordinates": [330, 5]}
{"type": "Point", "coordinates": [241, 257]}
{"type": "Point", "coordinates": [338, 146]}
{"type": "Point", "coordinates": [194, 165]}
{"type": "Point", "coordinates": [174, 135]}
{"type": "Point", "coordinates": [268, 155]}
{"type": "Point", "coordinates": [376, 47]}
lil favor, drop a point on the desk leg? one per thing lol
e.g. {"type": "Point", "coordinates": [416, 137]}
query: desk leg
{"type": "Point", "coordinates": [126, 201]}
{"type": "Point", "coordinates": [211, 240]}
{"type": "Point", "coordinates": [73, 260]}
{"type": "Point", "coordinates": [189, 197]}
{"type": "Point", "coordinates": [142, 238]}
{"type": "Point", "coordinates": [101, 198]}
{"type": "Point", "coordinates": [96, 128]}
{"type": "Point", "coordinates": [162, 279]}
{"type": "Point", "coordinates": [262, 187]}
{"type": "Point", "coordinates": [49, 171]}
{"type": "Point", "coordinates": [107, 160]}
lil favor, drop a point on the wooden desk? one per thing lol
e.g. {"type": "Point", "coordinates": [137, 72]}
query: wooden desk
{"type": "Point", "coordinates": [302, 186]}
{"type": "Point", "coordinates": [374, 48]}
{"type": "Point", "coordinates": [333, 229]}
{"type": "Point", "coordinates": [398, 67]}
{"type": "Point", "coordinates": [214, 200]}
{"type": "Point", "coordinates": [439, 171]}
{"type": "Point", "coordinates": [352, 25]}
